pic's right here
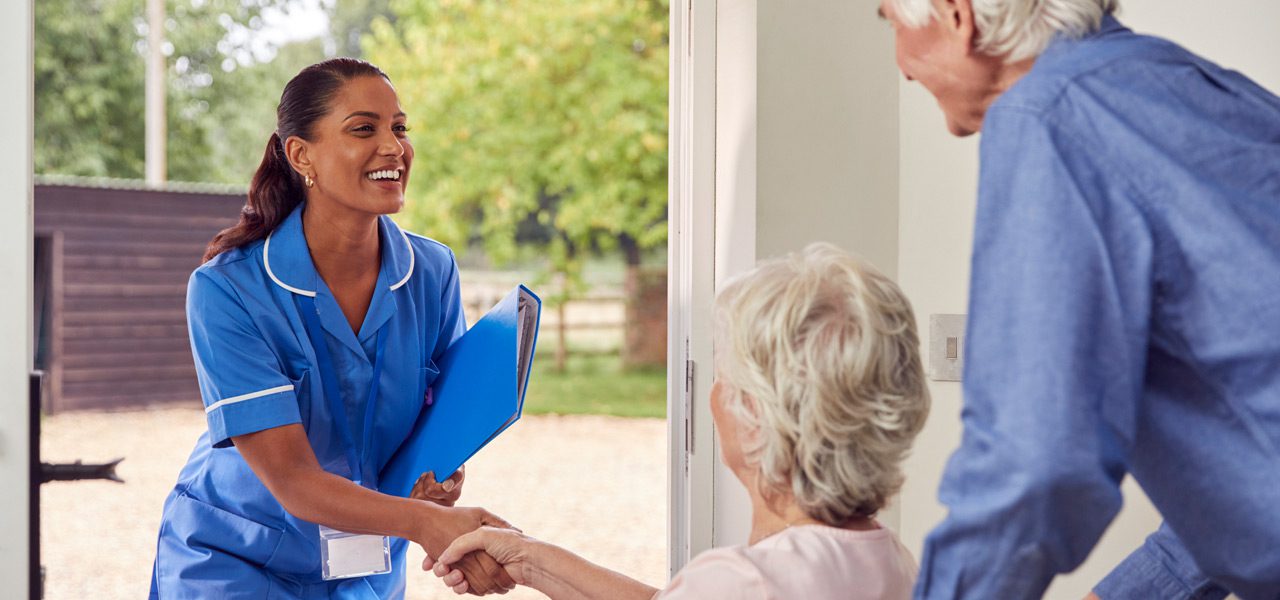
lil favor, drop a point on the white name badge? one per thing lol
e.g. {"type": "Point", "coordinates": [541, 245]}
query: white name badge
{"type": "Point", "coordinates": [344, 555]}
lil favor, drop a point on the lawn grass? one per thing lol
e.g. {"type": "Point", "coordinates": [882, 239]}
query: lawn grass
{"type": "Point", "coordinates": [595, 384]}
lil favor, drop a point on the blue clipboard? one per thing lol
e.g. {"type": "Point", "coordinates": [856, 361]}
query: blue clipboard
{"type": "Point", "coordinates": [478, 394]}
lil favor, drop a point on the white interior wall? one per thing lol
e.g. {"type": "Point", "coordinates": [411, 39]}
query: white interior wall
{"type": "Point", "coordinates": [938, 183]}
{"type": "Point", "coordinates": [794, 163]}
{"type": "Point", "coordinates": [735, 208]}
{"type": "Point", "coordinates": [828, 130]}
{"type": "Point", "coordinates": [15, 308]}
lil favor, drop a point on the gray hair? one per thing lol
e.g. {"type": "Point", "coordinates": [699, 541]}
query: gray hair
{"type": "Point", "coordinates": [819, 354]}
{"type": "Point", "coordinates": [1017, 29]}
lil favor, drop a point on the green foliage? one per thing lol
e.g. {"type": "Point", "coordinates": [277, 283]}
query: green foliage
{"type": "Point", "coordinates": [540, 124]}
{"type": "Point", "coordinates": [221, 90]}
{"type": "Point", "coordinates": [350, 21]}
{"type": "Point", "coordinates": [595, 385]}
{"type": "Point", "coordinates": [88, 88]}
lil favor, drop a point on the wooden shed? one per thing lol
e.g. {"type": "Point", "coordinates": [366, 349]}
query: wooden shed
{"type": "Point", "coordinates": [112, 260]}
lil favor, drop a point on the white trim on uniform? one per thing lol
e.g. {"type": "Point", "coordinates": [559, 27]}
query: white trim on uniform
{"type": "Point", "coordinates": [266, 262]}
{"type": "Point", "coordinates": [249, 396]}
{"type": "Point", "coordinates": [410, 272]}
{"type": "Point", "coordinates": [266, 248]}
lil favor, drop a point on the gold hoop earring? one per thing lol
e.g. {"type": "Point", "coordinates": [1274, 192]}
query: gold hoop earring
{"type": "Point", "coordinates": [308, 180]}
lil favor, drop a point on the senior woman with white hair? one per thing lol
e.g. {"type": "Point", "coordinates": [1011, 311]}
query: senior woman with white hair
{"type": "Point", "coordinates": [1125, 277]}
{"type": "Point", "coordinates": [819, 393]}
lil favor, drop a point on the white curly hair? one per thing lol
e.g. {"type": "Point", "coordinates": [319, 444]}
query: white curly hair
{"type": "Point", "coordinates": [820, 360]}
{"type": "Point", "coordinates": [1017, 29]}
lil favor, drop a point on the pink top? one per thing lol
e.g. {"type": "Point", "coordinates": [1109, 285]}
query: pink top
{"type": "Point", "coordinates": [813, 562]}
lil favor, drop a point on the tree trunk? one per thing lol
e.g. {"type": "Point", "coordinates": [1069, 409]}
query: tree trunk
{"type": "Point", "coordinates": [630, 294]}
{"type": "Point", "coordinates": [562, 328]}
{"type": "Point", "coordinates": [644, 343]}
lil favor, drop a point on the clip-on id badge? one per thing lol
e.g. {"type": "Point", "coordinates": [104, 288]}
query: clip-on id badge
{"type": "Point", "coordinates": [344, 555]}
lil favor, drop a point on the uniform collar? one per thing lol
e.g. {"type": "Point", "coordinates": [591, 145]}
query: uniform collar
{"type": "Point", "coordinates": [288, 260]}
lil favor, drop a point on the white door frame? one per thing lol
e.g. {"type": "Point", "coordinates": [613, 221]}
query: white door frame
{"type": "Point", "coordinates": [712, 221]}
{"type": "Point", "coordinates": [16, 67]}
{"type": "Point", "coordinates": [691, 288]}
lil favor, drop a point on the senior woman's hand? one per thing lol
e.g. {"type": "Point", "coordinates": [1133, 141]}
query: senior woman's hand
{"type": "Point", "coordinates": [445, 493]}
{"type": "Point", "coordinates": [445, 525]}
{"type": "Point", "coordinates": [509, 547]}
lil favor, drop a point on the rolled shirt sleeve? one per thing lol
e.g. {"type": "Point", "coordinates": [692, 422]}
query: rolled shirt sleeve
{"type": "Point", "coordinates": [1056, 346]}
{"type": "Point", "coordinates": [242, 384]}
{"type": "Point", "coordinates": [1160, 568]}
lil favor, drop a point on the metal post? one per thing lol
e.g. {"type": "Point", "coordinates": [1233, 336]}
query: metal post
{"type": "Point", "coordinates": [155, 119]}
{"type": "Point", "coordinates": [36, 572]}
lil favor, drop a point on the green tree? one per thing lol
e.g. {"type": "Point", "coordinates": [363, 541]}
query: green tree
{"type": "Point", "coordinates": [542, 116]}
{"type": "Point", "coordinates": [88, 88]}
{"type": "Point", "coordinates": [222, 87]}
{"type": "Point", "coordinates": [350, 21]}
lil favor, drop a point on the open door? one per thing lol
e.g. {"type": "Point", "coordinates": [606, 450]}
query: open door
{"type": "Point", "coordinates": [16, 60]}
{"type": "Point", "coordinates": [784, 131]}
{"type": "Point", "coordinates": [691, 264]}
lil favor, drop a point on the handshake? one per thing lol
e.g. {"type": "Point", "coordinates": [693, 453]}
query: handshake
{"type": "Point", "coordinates": [470, 549]}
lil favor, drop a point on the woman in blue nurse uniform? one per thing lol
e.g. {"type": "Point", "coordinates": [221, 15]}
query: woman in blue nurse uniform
{"type": "Point", "coordinates": [315, 323]}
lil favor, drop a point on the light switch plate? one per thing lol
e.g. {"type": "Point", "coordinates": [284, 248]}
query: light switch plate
{"type": "Point", "coordinates": [946, 347]}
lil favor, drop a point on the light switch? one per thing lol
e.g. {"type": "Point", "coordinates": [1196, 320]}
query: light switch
{"type": "Point", "coordinates": [946, 346]}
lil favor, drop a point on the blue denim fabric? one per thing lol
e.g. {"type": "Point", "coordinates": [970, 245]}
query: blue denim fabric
{"type": "Point", "coordinates": [1161, 568]}
{"type": "Point", "coordinates": [1124, 319]}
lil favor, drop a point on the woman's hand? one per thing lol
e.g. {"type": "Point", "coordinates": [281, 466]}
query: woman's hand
{"type": "Point", "coordinates": [445, 493]}
{"type": "Point", "coordinates": [508, 547]}
{"type": "Point", "coordinates": [483, 574]}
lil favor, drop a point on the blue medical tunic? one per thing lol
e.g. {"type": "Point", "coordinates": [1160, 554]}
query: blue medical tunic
{"type": "Point", "coordinates": [223, 535]}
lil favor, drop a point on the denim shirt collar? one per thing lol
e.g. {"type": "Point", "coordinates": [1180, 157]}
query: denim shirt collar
{"type": "Point", "coordinates": [1063, 41]}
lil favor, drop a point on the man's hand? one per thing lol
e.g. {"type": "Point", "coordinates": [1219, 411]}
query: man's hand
{"type": "Point", "coordinates": [508, 547]}
{"type": "Point", "coordinates": [445, 493]}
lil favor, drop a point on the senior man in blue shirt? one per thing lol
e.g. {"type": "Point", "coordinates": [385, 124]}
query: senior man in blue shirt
{"type": "Point", "coordinates": [1125, 308]}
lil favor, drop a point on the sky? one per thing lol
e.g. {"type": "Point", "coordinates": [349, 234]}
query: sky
{"type": "Point", "coordinates": [307, 19]}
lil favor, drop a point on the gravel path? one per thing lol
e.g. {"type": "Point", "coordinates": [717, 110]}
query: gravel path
{"type": "Point", "coordinates": [598, 487]}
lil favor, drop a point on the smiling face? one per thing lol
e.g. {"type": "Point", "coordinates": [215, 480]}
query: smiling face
{"type": "Point", "coordinates": [359, 153]}
{"type": "Point", "coordinates": [940, 56]}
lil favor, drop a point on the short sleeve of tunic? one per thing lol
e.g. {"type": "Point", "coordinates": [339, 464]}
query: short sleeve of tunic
{"type": "Point", "coordinates": [718, 573]}
{"type": "Point", "coordinates": [241, 380]}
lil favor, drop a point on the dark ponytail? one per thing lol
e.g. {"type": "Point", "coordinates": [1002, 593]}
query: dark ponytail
{"type": "Point", "coordinates": [274, 193]}
{"type": "Point", "coordinates": [276, 188]}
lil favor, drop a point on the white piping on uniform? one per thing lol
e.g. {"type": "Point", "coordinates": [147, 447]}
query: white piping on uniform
{"type": "Point", "coordinates": [249, 396]}
{"type": "Point", "coordinates": [267, 263]}
{"type": "Point", "coordinates": [410, 273]}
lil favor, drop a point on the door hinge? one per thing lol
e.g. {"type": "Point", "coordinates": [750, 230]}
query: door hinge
{"type": "Point", "coordinates": [690, 406]}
